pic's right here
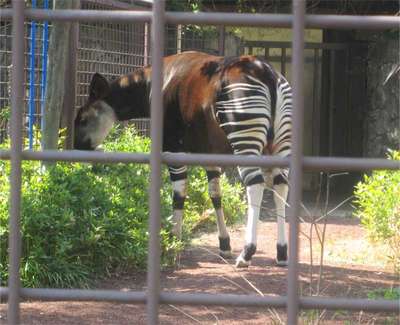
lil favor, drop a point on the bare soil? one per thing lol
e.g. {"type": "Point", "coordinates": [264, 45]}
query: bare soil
{"type": "Point", "coordinates": [348, 272]}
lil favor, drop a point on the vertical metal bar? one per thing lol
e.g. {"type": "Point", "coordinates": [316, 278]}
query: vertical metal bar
{"type": "Point", "coordinates": [315, 109]}
{"type": "Point", "coordinates": [156, 132]}
{"type": "Point", "coordinates": [266, 53]}
{"type": "Point", "coordinates": [70, 101]}
{"type": "Point", "coordinates": [283, 61]}
{"type": "Point", "coordinates": [17, 93]}
{"type": "Point", "coordinates": [347, 70]}
{"type": "Point", "coordinates": [31, 112]}
{"type": "Point", "coordinates": [146, 44]}
{"type": "Point", "coordinates": [221, 40]}
{"type": "Point", "coordinates": [331, 99]}
{"type": "Point", "coordinates": [179, 39]}
{"type": "Point", "coordinates": [296, 172]}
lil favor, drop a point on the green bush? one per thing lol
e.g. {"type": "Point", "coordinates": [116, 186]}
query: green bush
{"type": "Point", "coordinates": [81, 220]}
{"type": "Point", "coordinates": [378, 206]}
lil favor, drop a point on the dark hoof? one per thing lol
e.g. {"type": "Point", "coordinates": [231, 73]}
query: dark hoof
{"type": "Point", "coordinates": [224, 244]}
{"type": "Point", "coordinates": [281, 255]}
{"type": "Point", "coordinates": [244, 259]}
{"type": "Point", "coordinates": [225, 254]}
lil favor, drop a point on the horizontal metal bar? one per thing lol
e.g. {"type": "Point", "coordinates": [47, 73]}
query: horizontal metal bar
{"type": "Point", "coordinates": [223, 160]}
{"type": "Point", "coordinates": [85, 16]}
{"type": "Point", "coordinates": [310, 163]}
{"type": "Point", "coordinates": [283, 20]}
{"type": "Point", "coordinates": [205, 299]}
{"type": "Point", "coordinates": [209, 299]}
{"type": "Point", "coordinates": [213, 18]}
{"type": "Point", "coordinates": [348, 164]}
{"type": "Point", "coordinates": [350, 304]}
{"type": "Point", "coordinates": [78, 295]}
{"type": "Point", "coordinates": [86, 156]}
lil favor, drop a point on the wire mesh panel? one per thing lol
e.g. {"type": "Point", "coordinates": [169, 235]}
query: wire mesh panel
{"type": "Point", "coordinates": [108, 48]}
{"type": "Point", "coordinates": [111, 49]}
{"type": "Point", "coordinates": [33, 80]}
{"type": "Point", "coordinates": [5, 65]}
{"type": "Point", "coordinates": [180, 38]}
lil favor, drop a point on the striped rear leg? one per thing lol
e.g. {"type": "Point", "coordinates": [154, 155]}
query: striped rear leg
{"type": "Point", "coordinates": [244, 110]}
{"type": "Point", "coordinates": [214, 190]}
{"type": "Point", "coordinates": [178, 175]}
{"type": "Point", "coordinates": [254, 191]}
{"type": "Point", "coordinates": [282, 147]}
{"type": "Point", "coordinates": [280, 198]}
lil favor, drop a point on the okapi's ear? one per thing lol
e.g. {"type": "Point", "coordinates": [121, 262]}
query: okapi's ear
{"type": "Point", "coordinates": [99, 87]}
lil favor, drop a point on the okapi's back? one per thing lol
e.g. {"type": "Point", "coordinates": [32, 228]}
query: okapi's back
{"type": "Point", "coordinates": [197, 79]}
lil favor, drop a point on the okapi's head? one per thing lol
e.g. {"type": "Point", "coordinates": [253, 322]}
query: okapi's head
{"type": "Point", "coordinates": [96, 118]}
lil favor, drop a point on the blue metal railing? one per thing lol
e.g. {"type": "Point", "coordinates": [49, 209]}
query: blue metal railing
{"type": "Point", "coordinates": [32, 71]}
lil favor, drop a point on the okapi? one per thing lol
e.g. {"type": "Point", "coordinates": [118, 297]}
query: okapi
{"type": "Point", "coordinates": [212, 104]}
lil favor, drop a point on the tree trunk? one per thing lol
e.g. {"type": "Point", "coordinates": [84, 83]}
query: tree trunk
{"type": "Point", "coordinates": [56, 78]}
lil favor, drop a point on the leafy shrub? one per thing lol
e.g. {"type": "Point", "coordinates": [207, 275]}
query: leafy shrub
{"type": "Point", "coordinates": [389, 294]}
{"type": "Point", "coordinates": [79, 220]}
{"type": "Point", "coordinates": [378, 206]}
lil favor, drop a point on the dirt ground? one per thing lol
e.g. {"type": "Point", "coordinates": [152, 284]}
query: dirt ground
{"type": "Point", "coordinates": [353, 268]}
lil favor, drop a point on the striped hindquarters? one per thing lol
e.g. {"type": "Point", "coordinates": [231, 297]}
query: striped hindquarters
{"type": "Point", "coordinates": [282, 144]}
{"type": "Point", "coordinates": [244, 112]}
{"type": "Point", "coordinates": [283, 119]}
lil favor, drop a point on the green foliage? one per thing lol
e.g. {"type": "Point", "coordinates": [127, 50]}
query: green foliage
{"type": "Point", "coordinates": [378, 206]}
{"type": "Point", "coordinates": [81, 220]}
{"type": "Point", "coordinates": [199, 212]}
{"type": "Point", "coordinates": [5, 113]}
{"type": "Point", "coordinates": [188, 5]}
{"type": "Point", "coordinates": [389, 294]}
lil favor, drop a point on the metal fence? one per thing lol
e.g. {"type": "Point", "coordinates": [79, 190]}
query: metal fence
{"type": "Point", "coordinates": [32, 77]}
{"type": "Point", "coordinates": [154, 296]}
{"type": "Point", "coordinates": [112, 49]}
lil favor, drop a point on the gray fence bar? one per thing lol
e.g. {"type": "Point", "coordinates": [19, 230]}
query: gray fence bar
{"type": "Point", "coordinates": [309, 163]}
{"type": "Point", "coordinates": [350, 304]}
{"type": "Point", "coordinates": [285, 21]}
{"type": "Point", "coordinates": [156, 133]}
{"type": "Point", "coordinates": [17, 102]}
{"type": "Point", "coordinates": [87, 156]}
{"type": "Point", "coordinates": [204, 299]}
{"type": "Point", "coordinates": [216, 18]}
{"type": "Point", "coordinates": [296, 169]}
{"type": "Point", "coordinates": [86, 16]}
{"type": "Point", "coordinates": [298, 163]}
{"type": "Point", "coordinates": [348, 164]}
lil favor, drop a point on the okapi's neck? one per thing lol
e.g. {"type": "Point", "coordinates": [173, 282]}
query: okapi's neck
{"type": "Point", "coordinates": [129, 95]}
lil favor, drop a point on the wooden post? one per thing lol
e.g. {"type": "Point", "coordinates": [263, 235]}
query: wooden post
{"type": "Point", "coordinates": [57, 69]}
{"type": "Point", "coordinates": [221, 40]}
{"type": "Point", "coordinates": [70, 82]}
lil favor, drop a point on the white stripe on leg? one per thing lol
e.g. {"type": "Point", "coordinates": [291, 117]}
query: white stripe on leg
{"type": "Point", "coordinates": [254, 198]}
{"type": "Point", "coordinates": [280, 198]}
